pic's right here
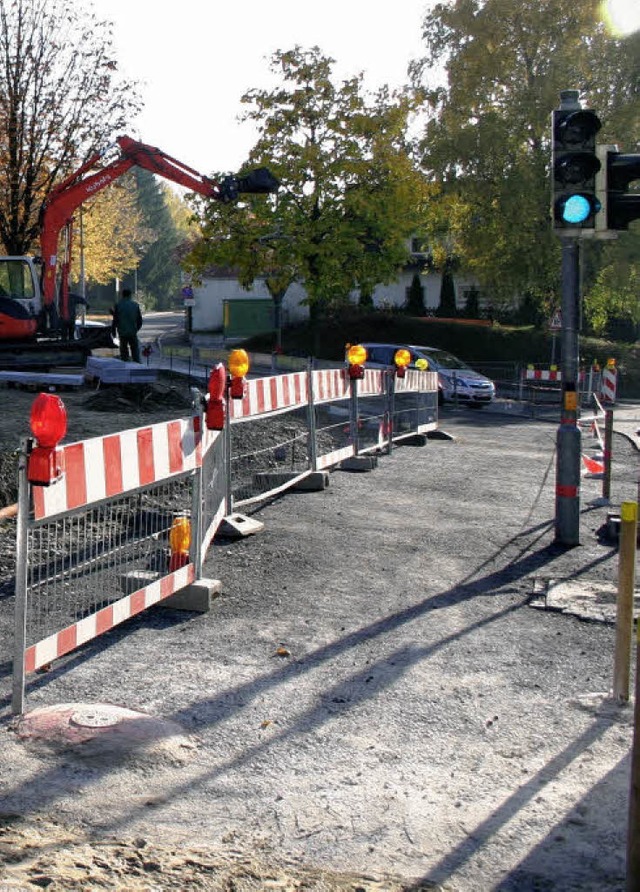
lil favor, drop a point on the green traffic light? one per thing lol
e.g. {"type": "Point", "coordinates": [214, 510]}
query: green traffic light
{"type": "Point", "coordinates": [576, 209]}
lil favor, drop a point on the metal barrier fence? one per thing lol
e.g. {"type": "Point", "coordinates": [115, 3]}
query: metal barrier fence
{"type": "Point", "coordinates": [96, 547]}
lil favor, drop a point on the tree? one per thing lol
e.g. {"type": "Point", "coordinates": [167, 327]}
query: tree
{"type": "Point", "coordinates": [158, 270]}
{"type": "Point", "coordinates": [113, 234]}
{"type": "Point", "coordinates": [350, 192]}
{"type": "Point", "coordinates": [487, 138]}
{"type": "Point", "coordinates": [415, 297]}
{"type": "Point", "coordinates": [60, 100]}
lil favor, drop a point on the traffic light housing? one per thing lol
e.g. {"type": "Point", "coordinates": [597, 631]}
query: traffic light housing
{"type": "Point", "coordinates": [619, 206]}
{"type": "Point", "coordinates": [574, 165]}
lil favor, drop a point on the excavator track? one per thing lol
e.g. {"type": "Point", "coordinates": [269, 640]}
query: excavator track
{"type": "Point", "coordinates": [44, 355]}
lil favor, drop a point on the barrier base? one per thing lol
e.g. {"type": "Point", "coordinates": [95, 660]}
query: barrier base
{"type": "Point", "coordinates": [359, 463]}
{"type": "Point", "coordinates": [415, 440]}
{"type": "Point", "coordinates": [237, 526]}
{"type": "Point", "coordinates": [311, 483]}
{"type": "Point", "coordinates": [196, 597]}
{"type": "Point", "coordinates": [439, 434]}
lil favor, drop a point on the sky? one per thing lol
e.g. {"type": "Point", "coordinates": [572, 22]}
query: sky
{"type": "Point", "coordinates": [195, 59]}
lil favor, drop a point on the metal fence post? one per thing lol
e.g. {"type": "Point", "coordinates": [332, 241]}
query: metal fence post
{"type": "Point", "coordinates": [607, 453]}
{"type": "Point", "coordinates": [353, 416]}
{"type": "Point", "coordinates": [20, 642]}
{"type": "Point", "coordinates": [227, 453]}
{"type": "Point", "coordinates": [391, 393]}
{"type": "Point", "coordinates": [312, 449]}
{"type": "Point", "coordinates": [197, 496]}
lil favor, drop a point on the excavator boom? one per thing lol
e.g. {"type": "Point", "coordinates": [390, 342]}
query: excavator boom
{"type": "Point", "coordinates": [71, 193]}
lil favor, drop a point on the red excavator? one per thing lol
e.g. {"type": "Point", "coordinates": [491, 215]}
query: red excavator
{"type": "Point", "coordinates": [37, 313]}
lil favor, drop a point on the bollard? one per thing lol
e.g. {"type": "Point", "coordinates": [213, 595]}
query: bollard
{"type": "Point", "coordinates": [633, 831]}
{"type": "Point", "coordinates": [624, 607]}
{"type": "Point", "coordinates": [607, 453]}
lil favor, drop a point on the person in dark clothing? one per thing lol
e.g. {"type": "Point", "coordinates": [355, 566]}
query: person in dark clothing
{"type": "Point", "coordinates": [127, 321]}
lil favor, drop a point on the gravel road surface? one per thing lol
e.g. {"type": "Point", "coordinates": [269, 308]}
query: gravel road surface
{"type": "Point", "coordinates": [377, 700]}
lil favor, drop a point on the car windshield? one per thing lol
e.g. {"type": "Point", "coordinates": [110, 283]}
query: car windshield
{"type": "Point", "coordinates": [444, 360]}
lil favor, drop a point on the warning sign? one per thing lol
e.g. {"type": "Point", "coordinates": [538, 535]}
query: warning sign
{"type": "Point", "coordinates": [555, 323]}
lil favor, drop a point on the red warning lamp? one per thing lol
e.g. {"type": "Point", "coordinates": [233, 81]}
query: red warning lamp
{"type": "Point", "coordinates": [48, 422]}
{"type": "Point", "coordinates": [238, 368]}
{"type": "Point", "coordinates": [215, 413]}
{"type": "Point", "coordinates": [356, 357]}
{"type": "Point", "coordinates": [401, 358]}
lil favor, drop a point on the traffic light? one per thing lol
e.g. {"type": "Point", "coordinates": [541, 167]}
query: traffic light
{"type": "Point", "coordinates": [619, 206]}
{"type": "Point", "coordinates": [574, 165]}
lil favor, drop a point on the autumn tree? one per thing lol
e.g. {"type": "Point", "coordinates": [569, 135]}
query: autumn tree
{"type": "Point", "coordinates": [350, 193]}
{"type": "Point", "coordinates": [60, 99]}
{"type": "Point", "coordinates": [109, 234]}
{"type": "Point", "coordinates": [487, 138]}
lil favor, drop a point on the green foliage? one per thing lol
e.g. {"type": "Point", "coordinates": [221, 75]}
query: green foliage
{"type": "Point", "coordinates": [447, 306]}
{"type": "Point", "coordinates": [472, 306]}
{"type": "Point", "coordinates": [158, 270]}
{"type": "Point", "coordinates": [474, 343]}
{"type": "Point", "coordinates": [415, 297]}
{"type": "Point", "coordinates": [487, 137]}
{"type": "Point", "coordinates": [350, 194]}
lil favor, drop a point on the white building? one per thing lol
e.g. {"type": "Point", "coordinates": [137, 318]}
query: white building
{"type": "Point", "coordinates": [221, 286]}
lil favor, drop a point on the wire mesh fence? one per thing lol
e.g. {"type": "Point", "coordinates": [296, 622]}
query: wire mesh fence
{"type": "Point", "coordinates": [97, 545]}
{"type": "Point", "coordinates": [80, 563]}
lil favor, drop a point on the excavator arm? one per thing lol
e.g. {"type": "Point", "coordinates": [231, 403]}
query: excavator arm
{"type": "Point", "coordinates": [67, 196]}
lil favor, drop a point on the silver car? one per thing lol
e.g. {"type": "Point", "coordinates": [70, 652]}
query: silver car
{"type": "Point", "coordinates": [457, 382]}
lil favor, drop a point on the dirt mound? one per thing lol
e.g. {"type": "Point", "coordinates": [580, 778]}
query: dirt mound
{"type": "Point", "coordinates": [63, 860]}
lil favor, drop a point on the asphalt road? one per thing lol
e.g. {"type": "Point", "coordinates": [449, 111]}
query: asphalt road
{"type": "Point", "coordinates": [373, 690]}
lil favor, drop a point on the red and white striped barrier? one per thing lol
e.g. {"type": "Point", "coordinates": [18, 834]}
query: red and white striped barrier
{"type": "Point", "coordinates": [543, 375]}
{"type": "Point", "coordinates": [609, 385]}
{"type": "Point", "coordinates": [105, 467]}
{"type": "Point", "coordinates": [101, 469]}
{"type": "Point", "coordinates": [88, 628]}
{"type": "Point", "coordinates": [268, 396]}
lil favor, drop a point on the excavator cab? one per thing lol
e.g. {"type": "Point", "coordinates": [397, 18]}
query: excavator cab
{"type": "Point", "coordinates": [20, 298]}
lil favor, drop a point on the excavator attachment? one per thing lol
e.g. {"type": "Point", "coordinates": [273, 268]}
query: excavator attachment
{"type": "Point", "coordinates": [258, 182]}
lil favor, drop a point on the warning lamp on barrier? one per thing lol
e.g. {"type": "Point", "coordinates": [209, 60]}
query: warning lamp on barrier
{"type": "Point", "coordinates": [422, 364]}
{"type": "Point", "coordinates": [48, 422]}
{"type": "Point", "coordinates": [215, 412]}
{"type": "Point", "coordinates": [401, 358]}
{"type": "Point", "coordinates": [179, 543]}
{"type": "Point", "coordinates": [356, 357]}
{"type": "Point", "coordinates": [238, 368]}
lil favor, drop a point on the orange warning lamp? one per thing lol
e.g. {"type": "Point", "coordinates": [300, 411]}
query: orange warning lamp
{"type": "Point", "coordinates": [238, 368]}
{"type": "Point", "coordinates": [179, 543]}
{"type": "Point", "coordinates": [611, 363]}
{"type": "Point", "coordinates": [356, 357]}
{"type": "Point", "coordinates": [48, 422]}
{"type": "Point", "coordinates": [401, 358]}
{"type": "Point", "coordinates": [215, 413]}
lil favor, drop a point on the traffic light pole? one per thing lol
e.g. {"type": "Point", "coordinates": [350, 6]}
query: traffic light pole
{"type": "Point", "coordinates": [568, 439]}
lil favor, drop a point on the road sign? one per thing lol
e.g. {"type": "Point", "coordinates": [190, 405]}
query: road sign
{"type": "Point", "coordinates": [555, 323]}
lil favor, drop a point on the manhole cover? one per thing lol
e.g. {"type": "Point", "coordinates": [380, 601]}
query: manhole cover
{"type": "Point", "coordinates": [95, 718]}
{"type": "Point", "coordinates": [594, 601]}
